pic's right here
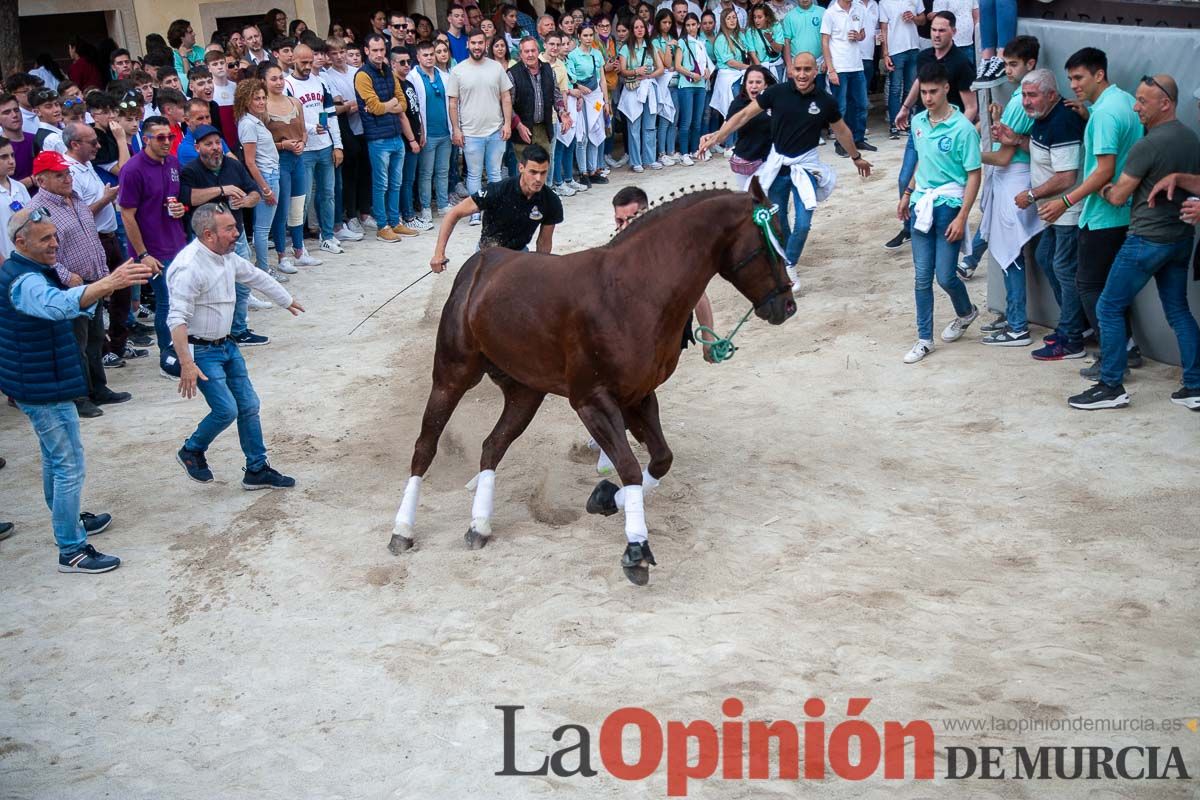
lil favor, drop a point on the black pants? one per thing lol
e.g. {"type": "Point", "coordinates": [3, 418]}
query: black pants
{"type": "Point", "coordinates": [119, 301]}
{"type": "Point", "coordinates": [89, 333]}
{"type": "Point", "coordinates": [1097, 251]}
{"type": "Point", "coordinates": [356, 175]}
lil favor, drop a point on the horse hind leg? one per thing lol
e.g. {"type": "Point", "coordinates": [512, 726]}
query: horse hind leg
{"type": "Point", "coordinates": [449, 386]}
{"type": "Point", "coordinates": [521, 404]}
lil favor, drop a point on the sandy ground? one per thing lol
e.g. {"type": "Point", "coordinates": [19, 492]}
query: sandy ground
{"type": "Point", "coordinates": [948, 539]}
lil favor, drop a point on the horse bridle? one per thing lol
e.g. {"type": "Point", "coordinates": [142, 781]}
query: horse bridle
{"type": "Point", "coordinates": [762, 219]}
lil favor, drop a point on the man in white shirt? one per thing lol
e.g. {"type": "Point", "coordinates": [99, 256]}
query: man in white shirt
{"type": "Point", "coordinates": [352, 179]}
{"type": "Point", "coordinates": [323, 150]}
{"type": "Point", "coordinates": [480, 113]}
{"type": "Point", "coordinates": [842, 29]}
{"type": "Point", "coordinates": [898, 20]}
{"type": "Point", "coordinates": [966, 17]}
{"type": "Point", "coordinates": [201, 282]}
{"type": "Point", "coordinates": [866, 48]}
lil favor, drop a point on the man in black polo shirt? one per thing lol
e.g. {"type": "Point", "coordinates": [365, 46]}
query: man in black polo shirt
{"type": "Point", "coordinates": [214, 178]}
{"type": "Point", "coordinates": [513, 210]}
{"type": "Point", "coordinates": [800, 111]}
{"type": "Point", "coordinates": [962, 75]}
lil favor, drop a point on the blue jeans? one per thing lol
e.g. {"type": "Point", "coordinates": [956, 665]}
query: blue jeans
{"type": "Point", "coordinates": [57, 429]}
{"type": "Point", "coordinates": [979, 247]}
{"type": "Point", "coordinates": [795, 234]}
{"type": "Point", "coordinates": [387, 173]}
{"type": "Point", "coordinates": [908, 168]}
{"type": "Point", "coordinates": [264, 217]}
{"type": "Point", "coordinates": [241, 305]}
{"type": "Point", "coordinates": [408, 179]}
{"type": "Point", "coordinates": [997, 23]}
{"type": "Point", "coordinates": [933, 255]}
{"type": "Point", "coordinates": [230, 396]}
{"type": "Point", "coordinates": [483, 153]}
{"type": "Point", "coordinates": [1014, 296]}
{"type": "Point", "coordinates": [1138, 261]}
{"type": "Point", "coordinates": [691, 118]}
{"type": "Point", "coordinates": [562, 163]}
{"type": "Point", "coordinates": [903, 77]}
{"type": "Point", "coordinates": [434, 173]}
{"type": "Point", "coordinates": [318, 164]}
{"type": "Point", "coordinates": [667, 131]}
{"type": "Point", "coordinates": [851, 96]}
{"type": "Point", "coordinates": [641, 139]}
{"type": "Point", "coordinates": [1058, 256]}
{"type": "Point", "coordinates": [162, 305]}
{"type": "Point", "coordinates": [291, 185]}
{"type": "Point", "coordinates": [587, 155]}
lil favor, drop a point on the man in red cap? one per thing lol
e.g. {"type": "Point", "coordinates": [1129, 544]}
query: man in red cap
{"type": "Point", "coordinates": [81, 262]}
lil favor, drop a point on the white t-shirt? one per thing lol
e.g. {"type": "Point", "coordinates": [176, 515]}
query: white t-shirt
{"type": "Point", "coordinates": [90, 188]}
{"type": "Point", "coordinates": [901, 35]}
{"type": "Point", "coordinates": [964, 19]}
{"type": "Point", "coordinates": [478, 85]}
{"type": "Point", "coordinates": [311, 93]}
{"type": "Point", "coordinates": [14, 193]}
{"type": "Point", "coordinates": [223, 95]}
{"type": "Point", "coordinates": [341, 84]}
{"type": "Point", "coordinates": [837, 24]}
{"type": "Point", "coordinates": [866, 48]}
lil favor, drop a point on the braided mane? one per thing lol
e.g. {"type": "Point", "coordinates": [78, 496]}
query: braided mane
{"type": "Point", "coordinates": [662, 206]}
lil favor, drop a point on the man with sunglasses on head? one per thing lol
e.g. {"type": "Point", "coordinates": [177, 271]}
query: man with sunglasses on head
{"type": "Point", "coordinates": [42, 372]}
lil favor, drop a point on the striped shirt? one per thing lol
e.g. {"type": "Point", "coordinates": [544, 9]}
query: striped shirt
{"type": "Point", "coordinates": [79, 248]}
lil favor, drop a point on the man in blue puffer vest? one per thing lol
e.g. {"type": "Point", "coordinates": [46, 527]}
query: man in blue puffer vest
{"type": "Point", "coordinates": [41, 370]}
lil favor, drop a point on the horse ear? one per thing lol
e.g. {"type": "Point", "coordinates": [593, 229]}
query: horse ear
{"type": "Point", "coordinates": [756, 190]}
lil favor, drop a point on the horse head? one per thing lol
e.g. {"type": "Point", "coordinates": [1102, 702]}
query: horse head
{"type": "Point", "coordinates": [755, 258]}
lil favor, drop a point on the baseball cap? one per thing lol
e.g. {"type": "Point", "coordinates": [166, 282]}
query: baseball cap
{"type": "Point", "coordinates": [49, 161]}
{"type": "Point", "coordinates": [203, 131]}
{"type": "Point", "coordinates": [41, 95]}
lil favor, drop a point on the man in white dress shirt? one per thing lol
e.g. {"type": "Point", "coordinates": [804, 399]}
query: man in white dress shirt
{"type": "Point", "coordinates": [201, 282]}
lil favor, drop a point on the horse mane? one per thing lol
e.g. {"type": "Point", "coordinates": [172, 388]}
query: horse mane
{"type": "Point", "coordinates": [662, 206]}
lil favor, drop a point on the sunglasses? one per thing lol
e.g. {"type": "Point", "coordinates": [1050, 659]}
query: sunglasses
{"type": "Point", "coordinates": [72, 101]}
{"type": "Point", "coordinates": [161, 137]}
{"type": "Point", "coordinates": [1149, 81]}
{"type": "Point", "coordinates": [40, 214]}
{"type": "Point", "coordinates": [403, 62]}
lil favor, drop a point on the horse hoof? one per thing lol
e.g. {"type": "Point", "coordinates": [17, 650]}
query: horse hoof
{"type": "Point", "coordinates": [603, 499]}
{"type": "Point", "coordinates": [399, 544]}
{"type": "Point", "coordinates": [636, 563]}
{"type": "Point", "coordinates": [474, 539]}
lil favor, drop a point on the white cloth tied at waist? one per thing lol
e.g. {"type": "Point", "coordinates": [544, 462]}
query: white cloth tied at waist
{"type": "Point", "coordinates": [824, 177]}
{"type": "Point", "coordinates": [587, 122]}
{"type": "Point", "coordinates": [923, 210]}
{"type": "Point", "coordinates": [1006, 227]}
{"type": "Point", "coordinates": [634, 100]}
{"type": "Point", "coordinates": [666, 106]}
{"type": "Point", "coordinates": [722, 96]}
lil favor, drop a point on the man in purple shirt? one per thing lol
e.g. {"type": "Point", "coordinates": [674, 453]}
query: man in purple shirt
{"type": "Point", "coordinates": [152, 214]}
{"type": "Point", "coordinates": [11, 128]}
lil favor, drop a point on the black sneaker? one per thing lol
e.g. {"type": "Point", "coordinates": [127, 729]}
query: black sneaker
{"type": "Point", "coordinates": [108, 397]}
{"type": "Point", "coordinates": [249, 338]}
{"type": "Point", "coordinates": [1000, 323]}
{"type": "Point", "coordinates": [140, 329]}
{"type": "Point", "coordinates": [1092, 372]}
{"type": "Point", "coordinates": [1134, 357]}
{"type": "Point", "coordinates": [112, 361]}
{"type": "Point", "coordinates": [597, 179]}
{"type": "Point", "coordinates": [195, 464]}
{"type": "Point", "coordinates": [1008, 338]}
{"type": "Point", "coordinates": [893, 133]}
{"type": "Point", "coordinates": [87, 409]}
{"type": "Point", "coordinates": [95, 523]}
{"type": "Point", "coordinates": [6, 530]}
{"type": "Point", "coordinates": [141, 340]}
{"type": "Point", "coordinates": [841, 151]}
{"type": "Point", "coordinates": [1188, 398]}
{"type": "Point", "coordinates": [132, 352]}
{"type": "Point", "coordinates": [897, 241]}
{"type": "Point", "coordinates": [865, 145]}
{"type": "Point", "coordinates": [989, 74]}
{"type": "Point", "coordinates": [266, 478]}
{"type": "Point", "coordinates": [87, 560]}
{"type": "Point", "coordinates": [1101, 395]}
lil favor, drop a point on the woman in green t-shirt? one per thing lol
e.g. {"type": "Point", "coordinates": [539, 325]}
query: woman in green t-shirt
{"type": "Point", "coordinates": [694, 68]}
{"type": "Point", "coordinates": [665, 43]}
{"type": "Point", "coordinates": [640, 66]}
{"type": "Point", "coordinates": [585, 70]}
{"type": "Point", "coordinates": [764, 38]}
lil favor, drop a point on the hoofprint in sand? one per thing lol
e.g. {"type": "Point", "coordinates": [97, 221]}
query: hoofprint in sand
{"type": "Point", "coordinates": [948, 539]}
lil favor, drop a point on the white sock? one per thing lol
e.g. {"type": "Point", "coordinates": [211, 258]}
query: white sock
{"type": "Point", "coordinates": [481, 509]}
{"type": "Point", "coordinates": [635, 515]}
{"type": "Point", "coordinates": [649, 483]}
{"type": "Point", "coordinates": [406, 516]}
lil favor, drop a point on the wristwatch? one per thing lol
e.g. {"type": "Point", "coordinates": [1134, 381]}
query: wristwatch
{"type": "Point", "coordinates": [1029, 194]}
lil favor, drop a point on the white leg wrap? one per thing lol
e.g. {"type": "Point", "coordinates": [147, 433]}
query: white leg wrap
{"type": "Point", "coordinates": [604, 464]}
{"type": "Point", "coordinates": [649, 482]}
{"type": "Point", "coordinates": [481, 509]}
{"type": "Point", "coordinates": [635, 515]}
{"type": "Point", "coordinates": [406, 516]}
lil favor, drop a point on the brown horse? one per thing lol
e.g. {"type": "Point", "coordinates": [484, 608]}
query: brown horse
{"type": "Point", "coordinates": [601, 328]}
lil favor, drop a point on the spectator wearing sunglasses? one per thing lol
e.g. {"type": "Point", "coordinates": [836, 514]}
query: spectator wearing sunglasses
{"type": "Point", "coordinates": [42, 372]}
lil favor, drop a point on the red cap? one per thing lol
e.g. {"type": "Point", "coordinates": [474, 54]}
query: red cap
{"type": "Point", "coordinates": [49, 161]}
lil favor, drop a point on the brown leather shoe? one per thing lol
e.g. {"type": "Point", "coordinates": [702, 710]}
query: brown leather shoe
{"type": "Point", "coordinates": [387, 235]}
{"type": "Point", "coordinates": [404, 230]}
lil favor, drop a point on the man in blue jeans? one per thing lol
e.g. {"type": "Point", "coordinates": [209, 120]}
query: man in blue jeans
{"type": "Point", "coordinates": [202, 298]}
{"type": "Point", "coordinates": [938, 202]}
{"type": "Point", "coordinates": [1158, 246]}
{"type": "Point", "coordinates": [434, 175]}
{"type": "Point", "coordinates": [381, 106]}
{"type": "Point", "coordinates": [323, 148]}
{"type": "Point", "coordinates": [842, 29]}
{"type": "Point", "coordinates": [40, 369]}
{"type": "Point", "coordinates": [480, 113]}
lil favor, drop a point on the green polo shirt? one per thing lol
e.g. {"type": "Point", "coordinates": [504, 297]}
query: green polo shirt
{"type": "Point", "coordinates": [1014, 116]}
{"type": "Point", "coordinates": [1112, 129]}
{"type": "Point", "coordinates": [946, 153]}
{"type": "Point", "coordinates": [802, 29]}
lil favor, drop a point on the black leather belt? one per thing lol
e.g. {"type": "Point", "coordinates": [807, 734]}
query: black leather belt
{"type": "Point", "coordinates": [108, 236]}
{"type": "Point", "coordinates": [210, 342]}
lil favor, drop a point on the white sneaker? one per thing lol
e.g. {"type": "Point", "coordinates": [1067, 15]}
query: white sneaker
{"type": "Point", "coordinates": [958, 326]}
{"type": "Point", "coordinates": [355, 225]}
{"type": "Point", "coordinates": [277, 275]}
{"type": "Point", "coordinates": [346, 234]}
{"type": "Point", "coordinates": [287, 265]}
{"type": "Point", "coordinates": [370, 223]}
{"type": "Point", "coordinates": [259, 305]}
{"type": "Point", "coordinates": [563, 190]}
{"type": "Point", "coordinates": [667, 161]}
{"type": "Point", "coordinates": [922, 348]}
{"type": "Point", "coordinates": [717, 149]}
{"type": "Point", "coordinates": [577, 186]}
{"type": "Point", "coordinates": [793, 276]}
{"type": "Point", "coordinates": [426, 219]}
{"type": "Point", "coordinates": [307, 260]}
{"type": "Point", "coordinates": [476, 218]}
{"type": "Point", "coordinates": [655, 165]}
{"type": "Point", "coordinates": [686, 160]}
{"type": "Point", "coordinates": [638, 168]}
{"type": "Point", "coordinates": [332, 246]}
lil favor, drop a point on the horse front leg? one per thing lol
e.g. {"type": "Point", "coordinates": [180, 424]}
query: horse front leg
{"type": "Point", "coordinates": [644, 422]}
{"type": "Point", "coordinates": [602, 417]}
